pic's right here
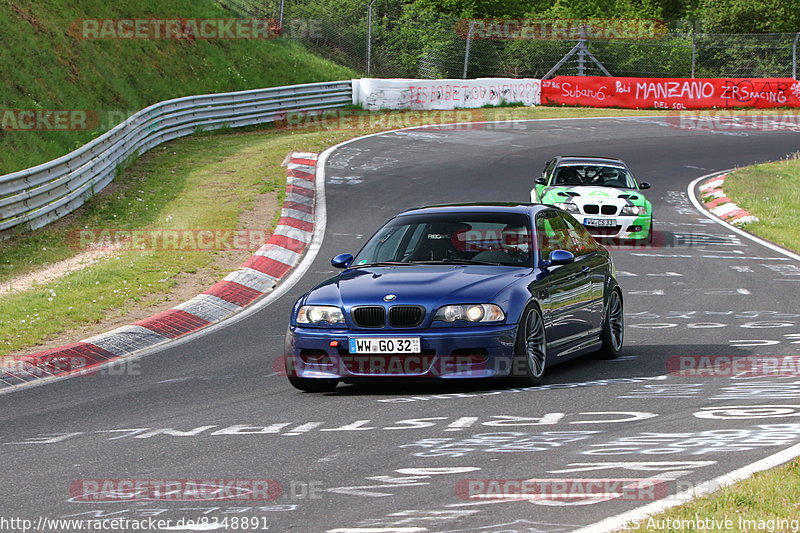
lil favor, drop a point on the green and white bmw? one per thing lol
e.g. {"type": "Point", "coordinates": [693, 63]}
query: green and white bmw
{"type": "Point", "coordinates": [600, 192]}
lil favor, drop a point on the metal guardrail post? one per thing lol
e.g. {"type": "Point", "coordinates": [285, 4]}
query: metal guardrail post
{"type": "Point", "coordinates": [694, 52]}
{"type": "Point", "coordinates": [467, 50]}
{"type": "Point", "coordinates": [794, 56]}
{"type": "Point", "coordinates": [582, 52]}
{"type": "Point", "coordinates": [582, 49]}
{"type": "Point", "coordinates": [369, 36]}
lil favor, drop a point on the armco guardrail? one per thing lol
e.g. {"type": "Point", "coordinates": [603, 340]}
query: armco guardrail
{"type": "Point", "coordinates": [39, 195]}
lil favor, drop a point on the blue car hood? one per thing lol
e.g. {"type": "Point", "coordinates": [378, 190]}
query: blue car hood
{"type": "Point", "coordinates": [430, 286]}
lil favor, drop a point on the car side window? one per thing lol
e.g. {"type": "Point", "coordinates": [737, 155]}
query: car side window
{"type": "Point", "coordinates": [553, 234]}
{"type": "Point", "coordinates": [583, 242]}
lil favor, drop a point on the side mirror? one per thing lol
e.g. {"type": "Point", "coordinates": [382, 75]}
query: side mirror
{"type": "Point", "coordinates": [559, 257]}
{"type": "Point", "coordinates": [541, 180]}
{"type": "Point", "coordinates": [644, 185]}
{"type": "Point", "coordinates": [342, 261]}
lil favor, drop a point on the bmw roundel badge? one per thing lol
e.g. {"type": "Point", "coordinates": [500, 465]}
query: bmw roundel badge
{"type": "Point", "coordinates": [389, 298]}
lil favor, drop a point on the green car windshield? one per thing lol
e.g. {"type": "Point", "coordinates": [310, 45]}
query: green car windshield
{"type": "Point", "coordinates": [569, 175]}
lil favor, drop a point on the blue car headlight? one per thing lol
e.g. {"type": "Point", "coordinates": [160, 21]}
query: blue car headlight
{"type": "Point", "coordinates": [320, 315]}
{"type": "Point", "coordinates": [470, 313]}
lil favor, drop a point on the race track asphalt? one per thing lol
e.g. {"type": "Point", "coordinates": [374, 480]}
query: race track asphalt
{"type": "Point", "coordinates": [213, 408]}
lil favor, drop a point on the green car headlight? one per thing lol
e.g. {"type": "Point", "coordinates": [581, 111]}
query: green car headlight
{"type": "Point", "coordinates": [569, 207]}
{"type": "Point", "coordinates": [634, 210]}
{"type": "Point", "coordinates": [319, 314]}
{"type": "Point", "coordinates": [470, 313]}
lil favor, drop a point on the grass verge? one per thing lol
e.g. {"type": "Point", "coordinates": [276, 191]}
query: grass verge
{"type": "Point", "coordinates": [767, 501]}
{"type": "Point", "coordinates": [48, 65]}
{"type": "Point", "coordinates": [770, 191]}
{"type": "Point", "coordinates": [194, 183]}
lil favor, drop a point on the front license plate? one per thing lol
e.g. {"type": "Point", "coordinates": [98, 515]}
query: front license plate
{"type": "Point", "coordinates": [384, 345]}
{"type": "Point", "coordinates": [599, 222]}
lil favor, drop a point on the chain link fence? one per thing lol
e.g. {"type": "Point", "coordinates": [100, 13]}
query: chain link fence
{"type": "Point", "coordinates": [441, 47]}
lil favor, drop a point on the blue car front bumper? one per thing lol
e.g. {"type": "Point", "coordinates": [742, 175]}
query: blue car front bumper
{"type": "Point", "coordinates": [446, 353]}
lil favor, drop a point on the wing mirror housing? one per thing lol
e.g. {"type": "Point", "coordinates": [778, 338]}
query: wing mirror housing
{"type": "Point", "coordinates": [342, 261]}
{"type": "Point", "coordinates": [644, 185]}
{"type": "Point", "coordinates": [559, 257]}
{"type": "Point", "coordinates": [541, 180]}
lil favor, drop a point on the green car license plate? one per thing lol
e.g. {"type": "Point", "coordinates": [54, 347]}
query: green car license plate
{"type": "Point", "coordinates": [599, 222]}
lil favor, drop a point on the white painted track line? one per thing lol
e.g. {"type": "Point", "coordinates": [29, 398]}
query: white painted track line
{"type": "Point", "coordinates": [619, 521]}
{"type": "Point", "coordinates": [696, 203]}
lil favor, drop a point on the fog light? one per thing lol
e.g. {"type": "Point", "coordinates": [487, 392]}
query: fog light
{"type": "Point", "coordinates": [634, 228]}
{"type": "Point", "coordinates": [315, 357]}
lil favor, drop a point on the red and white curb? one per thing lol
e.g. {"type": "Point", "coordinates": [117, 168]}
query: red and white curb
{"type": "Point", "coordinates": [719, 204]}
{"type": "Point", "coordinates": [257, 277]}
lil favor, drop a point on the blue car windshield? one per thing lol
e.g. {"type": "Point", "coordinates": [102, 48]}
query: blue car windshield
{"type": "Point", "coordinates": [458, 238]}
{"type": "Point", "coordinates": [570, 174]}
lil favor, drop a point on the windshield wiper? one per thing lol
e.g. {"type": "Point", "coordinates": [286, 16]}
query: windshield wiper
{"type": "Point", "coordinates": [471, 262]}
{"type": "Point", "coordinates": [458, 262]}
{"type": "Point", "coordinates": [431, 262]}
{"type": "Point", "coordinates": [380, 264]}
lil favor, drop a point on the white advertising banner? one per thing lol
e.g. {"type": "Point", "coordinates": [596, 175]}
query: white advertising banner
{"type": "Point", "coordinates": [375, 94]}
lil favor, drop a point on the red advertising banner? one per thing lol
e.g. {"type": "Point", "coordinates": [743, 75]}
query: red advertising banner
{"type": "Point", "coordinates": [671, 93]}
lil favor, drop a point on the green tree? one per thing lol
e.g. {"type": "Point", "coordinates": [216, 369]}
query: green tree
{"type": "Point", "coordinates": [749, 16]}
{"type": "Point", "coordinates": [477, 8]}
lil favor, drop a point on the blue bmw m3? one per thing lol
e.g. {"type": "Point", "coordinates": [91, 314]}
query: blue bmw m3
{"type": "Point", "coordinates": [459, 291]}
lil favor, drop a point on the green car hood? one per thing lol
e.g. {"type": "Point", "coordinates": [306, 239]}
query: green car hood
{"type": "Point", "coordinates": [557, 194]}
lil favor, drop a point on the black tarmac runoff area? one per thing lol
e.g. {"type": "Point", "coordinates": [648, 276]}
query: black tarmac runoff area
{"type": "Point", "coordinates": [598, 439]}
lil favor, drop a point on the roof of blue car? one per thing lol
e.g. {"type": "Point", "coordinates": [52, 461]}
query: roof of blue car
{"type": "Point", "coordinates": [589, 158]}
{"type": "Point", "coordinates": [483, 207]}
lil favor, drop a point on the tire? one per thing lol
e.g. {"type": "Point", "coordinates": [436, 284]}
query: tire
{"type": "Point", "coordinates": [613, 332]}
{"type": "Point", "coordinates": [530, 349]}
{"type": "Point", "coordinates": [313, 385]}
